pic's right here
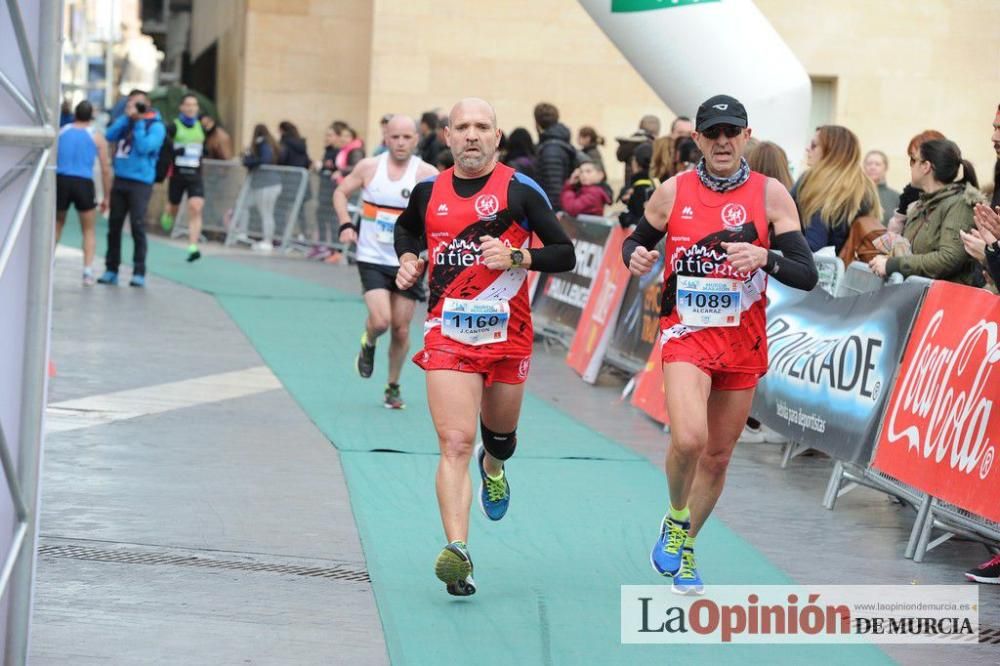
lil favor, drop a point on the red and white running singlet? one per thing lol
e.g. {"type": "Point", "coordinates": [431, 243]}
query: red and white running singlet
{"type": "Point", "coordinates": [718, 322]}
{"type": "Point", "coordinates": [467, 300]}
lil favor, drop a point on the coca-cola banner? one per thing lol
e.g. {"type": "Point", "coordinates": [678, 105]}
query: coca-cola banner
{"type": "Point", "coordinates": [940, 431]}
{"type": "Point", "coordinates": [560, 297]}
{"type": "Point", "coordinates": [831, 362]}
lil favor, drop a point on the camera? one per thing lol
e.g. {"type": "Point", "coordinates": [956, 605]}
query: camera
{"type": "Point", "coordinates": [141, 107]}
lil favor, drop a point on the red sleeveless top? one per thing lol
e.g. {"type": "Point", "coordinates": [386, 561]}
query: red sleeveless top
{"type": "Point", "coordinates": [701, 220]}
{"type": "Point", "coordinates": [453, 225]}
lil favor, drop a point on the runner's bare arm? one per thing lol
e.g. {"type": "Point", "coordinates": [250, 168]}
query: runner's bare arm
{"type": "Point", "coordinates": [637, 250]}
{"type": "Point", "coordinates": [105, 163]}
{"type": "Point", "coordinates": [409, 236]}
{"type": "Point", "coordinates": [351, 183]}
{"type": "Point", "coordinates": [425, 170]}
{"type": "Point", "coordinates": [795, 266]}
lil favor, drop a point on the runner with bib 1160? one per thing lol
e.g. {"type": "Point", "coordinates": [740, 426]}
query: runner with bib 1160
{"type": "Point", "coordinates": [475, 221]}
{"type": "Point", "coordinates": [387, 182]}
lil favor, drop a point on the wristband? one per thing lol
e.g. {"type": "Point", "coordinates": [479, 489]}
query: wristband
{"type": "Point", "coordinates": [345, 225]}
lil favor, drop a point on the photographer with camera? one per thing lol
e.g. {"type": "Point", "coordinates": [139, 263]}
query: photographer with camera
{"type": "Point", "coordinates": [137, 137]}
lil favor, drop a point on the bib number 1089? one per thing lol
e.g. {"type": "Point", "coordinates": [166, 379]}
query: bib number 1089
{"type": "Point", "coordinates": [705, 301]}
{"type": "Point", "coordinates": [713, 301]}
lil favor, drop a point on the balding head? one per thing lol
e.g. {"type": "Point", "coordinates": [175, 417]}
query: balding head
{"type": "Point", "coordinates": [475, 106]}
{"type": "Point", "coordinates": [400, 122]}
{"type": "Point", "coordinates": [400, 136]}
{"type": "Point", "coordinates": [651, 124]}
{"type": "Point", "coordinates": [473, 137]}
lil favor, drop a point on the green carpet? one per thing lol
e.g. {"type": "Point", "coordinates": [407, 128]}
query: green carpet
{"type": "Point", "coordinates": [549, 573]}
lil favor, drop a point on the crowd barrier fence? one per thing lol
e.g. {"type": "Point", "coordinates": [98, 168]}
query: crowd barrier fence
{"type": "Point", "coordinates": [269, 204]}
{"type": "Point", "coordinates": [224, 186]}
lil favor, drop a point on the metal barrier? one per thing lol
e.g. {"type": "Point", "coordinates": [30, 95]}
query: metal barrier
{"type": "Point", "coordinates": [831, 272]}
{"type": "Point", "coordinates": [858, 279]}
{"type": "Point", "coordinates": [268, 205]}
{"type": "Point", "coordinates": [954, 521]}
{"type": "Point", "coordinates": [317, 221]}
{"type": "Point", "coordinates": [223, 182]}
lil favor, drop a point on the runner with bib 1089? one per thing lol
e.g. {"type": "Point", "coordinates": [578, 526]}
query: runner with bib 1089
{"type": "Point", "coordinates": [475, 221]}
{"type": "Point", "coordinates": [719, 221]}
{"type": "Point", "coordinates": [387, 181]}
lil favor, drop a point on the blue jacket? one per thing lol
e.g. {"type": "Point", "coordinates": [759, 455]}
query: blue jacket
{"type": "Point", "coordinates": [136, 146]}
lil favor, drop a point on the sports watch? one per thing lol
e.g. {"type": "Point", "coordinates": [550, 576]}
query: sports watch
{"type": "Point", "coordinates": [516, 258]}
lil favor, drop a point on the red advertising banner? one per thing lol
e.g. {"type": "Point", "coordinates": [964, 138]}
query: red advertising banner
{"type": "Point", "coordinates": [601, 311]}
{"type": "Point", "coordinates": [940, 430]}
{"type": "Point", "coordinates": [648, 394]}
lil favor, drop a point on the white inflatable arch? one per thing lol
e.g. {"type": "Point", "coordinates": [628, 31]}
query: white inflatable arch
{"type": "Point", "coordinates": [689, 50]}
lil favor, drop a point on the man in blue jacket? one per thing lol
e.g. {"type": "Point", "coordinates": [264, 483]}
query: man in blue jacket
{"type": "Point", "coordinates": [137, 137]}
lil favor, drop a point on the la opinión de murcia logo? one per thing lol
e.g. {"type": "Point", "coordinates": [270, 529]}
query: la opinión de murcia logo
{"type": "Point", "coordinates": [941, 408]}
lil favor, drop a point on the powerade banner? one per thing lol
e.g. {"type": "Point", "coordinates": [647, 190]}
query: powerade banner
{"type": "Point", "coordinates": [560, 297]}
{"type": "Point", "coordinates": [638, 325]}
{"type": "Point", "coordinates": [831, 362]}
{"type": "Point", "coordinates": [940, 432]}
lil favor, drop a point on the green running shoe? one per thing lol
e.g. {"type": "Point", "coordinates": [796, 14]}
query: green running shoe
{"type": "Point", "coordinates": [393, 398]}
{"type": "Point", "coordinates": [366, 358]}
{"type": "Point", "coordinates": [454, 568]}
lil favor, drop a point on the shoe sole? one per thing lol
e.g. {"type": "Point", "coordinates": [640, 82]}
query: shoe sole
{"type": "Point", "coordinates": [479, 493]}
{"type": "Point", "coordinates": [692, 592]}
{"type": "Point", "coordinates": [455, 573]}
{"type": "Point", "coordinates": [981, 579]}
{"type": "Point", "coordinates": [388, 406]}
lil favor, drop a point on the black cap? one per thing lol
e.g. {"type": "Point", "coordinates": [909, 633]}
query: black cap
{"type": "Point", "coordinates": [720, 110]}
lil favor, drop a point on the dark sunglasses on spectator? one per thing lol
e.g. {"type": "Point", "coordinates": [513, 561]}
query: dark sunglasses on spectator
{"type": "Point", "coordinates": [731, 132]}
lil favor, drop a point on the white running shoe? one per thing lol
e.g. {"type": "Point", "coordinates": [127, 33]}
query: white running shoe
{"type": "Point", "coordinates": [771, 436]}
{"type": "Point", "coordinates": [752, 435]}
{"type": "Point", "coordinates": [262, 246]}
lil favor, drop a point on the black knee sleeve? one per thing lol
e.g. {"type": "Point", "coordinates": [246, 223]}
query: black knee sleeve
{"type": "Point", "coordinates": [499, 445]}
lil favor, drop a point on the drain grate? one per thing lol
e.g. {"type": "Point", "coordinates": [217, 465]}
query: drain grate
{"type": "Point", "coordinates": [123, 556]}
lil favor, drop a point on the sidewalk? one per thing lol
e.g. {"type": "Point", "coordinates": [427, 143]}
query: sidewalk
{"type": "Point", "coordinates": [214, 531]}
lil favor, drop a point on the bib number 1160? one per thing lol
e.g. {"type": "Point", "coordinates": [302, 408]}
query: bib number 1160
{"type": "Point", "coordinates": [475, 321]}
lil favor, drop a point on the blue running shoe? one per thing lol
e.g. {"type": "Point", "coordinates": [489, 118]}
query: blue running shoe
{"type": "Point", "coordinates": [137, 281]}
{"type": "Point", "coordinates": [108, 277]}
{"type": "Point", "coordinates": [687, 581]}
{"type": "Point", "coordinates": [454, 568]}
{"type": "Point", "coordinates": [494, 494]}
{"type": "Point", "coordinates": [666, 555]}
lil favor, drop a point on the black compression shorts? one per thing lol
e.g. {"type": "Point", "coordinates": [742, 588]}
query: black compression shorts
{"type": "Point", "coordinates": [377, 276]}
{"type": "Point", "coordinates": [77, 191]}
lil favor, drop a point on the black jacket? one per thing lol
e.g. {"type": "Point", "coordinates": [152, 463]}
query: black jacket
{"type": "Point", "coordinates": [430, 148]}
{"type": "Point", "coordinates": [556, 161]}
{"type": "Point", "coordinates": [294, 153]}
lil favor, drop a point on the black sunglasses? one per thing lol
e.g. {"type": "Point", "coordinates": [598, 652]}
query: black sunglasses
{"type": "Point", "coordinates": [730, 131]}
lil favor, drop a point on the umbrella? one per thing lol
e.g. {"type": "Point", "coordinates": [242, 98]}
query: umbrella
{"type": "Point", "coordinates": [166, 99]}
